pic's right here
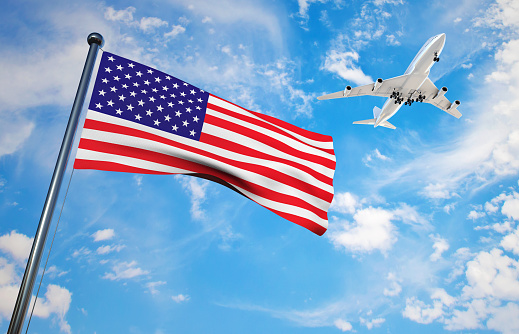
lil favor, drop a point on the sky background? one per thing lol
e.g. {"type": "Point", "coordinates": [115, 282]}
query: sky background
{"type": "Point", "coordinates": [423, 231]}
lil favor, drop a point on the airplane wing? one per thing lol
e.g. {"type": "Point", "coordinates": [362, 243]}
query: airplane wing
{"type": "Point", "coordinates": [430, 91]}
{"type": "Point", "coordinates": [382, 89]}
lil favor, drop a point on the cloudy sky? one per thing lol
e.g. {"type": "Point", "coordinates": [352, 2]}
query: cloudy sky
{"type": "Point", "coordinates": [423, 234]}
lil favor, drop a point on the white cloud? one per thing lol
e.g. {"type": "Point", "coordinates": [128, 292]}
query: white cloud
{"type": "Point", "coordinates": [437, 191]}
{"type": "Point", "coordinates": [304, 6]}
{"type": "Point", "coordinates": [501, 15]}
{"type": "Point", "coordinates": [344, 203]}
{"type": "Point", "coordinates": [9, 294]}
{"type": "Point", "coordinates": [138, 180]}
{"type": "Point", "coordinates": [262, 18]}
{"type": "Point", "coordinates": [280, 78]}
{"type": "Point", "coordinates": [103, 235]}
{"type": "Point", "coordinates": [343, 325]}
{"type": "Point", "coordinates": [447, 208]}
{"type": "Point", "coordinates": [82, 252]}
{"type": "Point", "coordinates": [7, 272]}
{"type": "Point", "coordinates": [492, 274]}
{"type": "Point", "coordinates": [109, 249]}
{"type": "Point", "coordinates": [123, 15]}
{"type": "Point", "coordinates": [17, 245]}
{"type": "Point", "coordinates": [499, 228]}
{"type": "Point", "coordinates": [228, 238]}
{"type": "Point", "coordinates": [395, 287]}
{"type": "Point", "coordinates": [175, 31]}
{"type": "Point", "coordinates": [419, 312]}
{"type": "Point", "coordinates": [510, 207]}
{"type": "Point", "coordinates": [180, 298]}
{"type": "Point", "coordinates": [475, 215]}
{"type": "Point", "coordinates": [469, 319]}
{"type": "Point", "coordinates": [152, 286]}
{"type": "Point", "coordinates": [148, 24]}
{"type": "Point", "coordinates": [490, 208]}
{"type": "Point", "coordinates": [391, 40]}
{"type": "Point", "coordinates": [196, 188]}
{"type": "Point", "coordinates": [344, 65]}
{"type": "Point", "coordinates": [57, 300]}
{"type": "Point", "coordinates": [54, 272]}
{"type": "Point", "coordinates": [511, 242]}
{"type": "Point", "coordinates": [14, 131]}
{"type": "Point", "coordinates": [410, 216]}
{"type": "Point", "coordinates": [390, 2]}
{"type": "Point", "coordinates": [440, 245]}
{"type": "Point", "coordinates": [462, 255]}
{"type": "Point", "coordinates": [505, 319]}
{"type": "Point", "coordinates": [125, 270]}
{"type": "Point", "coordinates": [372, 230]}
{"type": "Point", "coordinates": [372, 323]}
{"type": "Point", "coordinates": [374, 155]}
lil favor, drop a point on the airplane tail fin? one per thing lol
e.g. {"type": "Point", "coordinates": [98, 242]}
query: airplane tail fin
{"type": "Point", "coordinates": [372, 121]}
{"type": "Point", "coordinates": [376, 112]}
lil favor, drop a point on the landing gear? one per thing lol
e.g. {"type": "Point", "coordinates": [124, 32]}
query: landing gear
{"type": "Point", "coordinates": [397, 96]}
{"type": "Point", "coordinates": [409, 102]}
{"type": "Point", "coordinates": [394, 95]}
{"type": "Point", "coordinates": [398, 100]}
{"type": "Point", "coordinates": [436, 58]}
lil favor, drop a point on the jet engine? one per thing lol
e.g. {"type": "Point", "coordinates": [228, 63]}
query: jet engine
{"type": "Point", "coordinates": [377, 84]}
{"type": "Point", "coordinates": [454, 105]}
{"type": "Point", "coordinates": [441, 92]}
{"type": "Point", "coordinates": [347, 91]}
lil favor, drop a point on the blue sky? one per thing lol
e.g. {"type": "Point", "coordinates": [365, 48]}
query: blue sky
{"type": "Point", "coordinates": [423, 234]}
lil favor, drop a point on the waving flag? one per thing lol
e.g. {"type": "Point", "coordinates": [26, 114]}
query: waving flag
{"type": "Point", "coordinates": [141, 120]}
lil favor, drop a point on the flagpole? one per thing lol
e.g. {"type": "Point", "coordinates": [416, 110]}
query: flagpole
{"type": "Point", "coordinates": [95, 41]}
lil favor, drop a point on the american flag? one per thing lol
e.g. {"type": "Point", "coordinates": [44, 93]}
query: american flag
{"type": "Point", "coordinates": [141, 120]}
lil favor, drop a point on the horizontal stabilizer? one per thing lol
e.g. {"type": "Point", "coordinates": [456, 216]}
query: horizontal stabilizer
{"type": "Point", "coordinates": [366, 121]}
{"type": "Point", "coordinates": [388, 125]}
{"type": "Point", "coordinates": [332, 96]}
{"type": "Point", "coordinates": [372, 121]}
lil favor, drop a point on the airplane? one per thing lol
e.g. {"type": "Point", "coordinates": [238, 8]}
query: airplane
{"type": "Point", "coordinates": [413, 86]}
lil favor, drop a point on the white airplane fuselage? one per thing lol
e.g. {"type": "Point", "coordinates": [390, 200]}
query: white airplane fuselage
{"type": "Point", "coordinates": [417, 72]}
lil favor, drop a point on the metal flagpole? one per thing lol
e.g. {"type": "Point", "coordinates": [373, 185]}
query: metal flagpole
{"type": "Point", "coordinates": [95, 41]}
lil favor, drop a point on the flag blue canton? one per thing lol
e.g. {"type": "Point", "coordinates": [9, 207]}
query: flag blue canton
{"type": "Point", "coordinates": [141, 94]}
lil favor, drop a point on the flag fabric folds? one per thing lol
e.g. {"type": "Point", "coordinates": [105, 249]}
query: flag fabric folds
{"type": "Point", "coordinates": [141, 120]}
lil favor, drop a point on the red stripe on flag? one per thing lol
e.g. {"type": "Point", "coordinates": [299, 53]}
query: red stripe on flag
{"type": "Point", "coordinates": [302, 132]}
{"type": "Point", "coordinates": [262, 124]}
{"type": "Point", "coordinates": [258, 169]}
{"type": "Point", "coordinates": [167, 160]}
{"type": "Point", "coordinates": [245, 150]}
{"type": "Point", "coordinates": [274, 143]}
{"type": "Point", "coordinates": [112, 167]}
{"type": "Point", "coordinates": [306, 223]}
